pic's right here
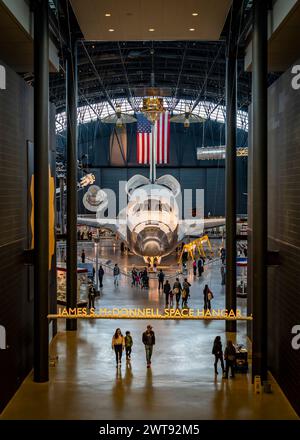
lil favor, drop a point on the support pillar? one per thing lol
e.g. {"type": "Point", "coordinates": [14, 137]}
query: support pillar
{"type": "Point", "coordinates": [71, 103]}
{"type": "Point", "coordinates": [61, 204]}
{"type": "Point", "coordinates": [41, 191]}
{"type": "Point", "coordinates": [260, 185]}
{"type": "Point", "coordinates": [230, 172]}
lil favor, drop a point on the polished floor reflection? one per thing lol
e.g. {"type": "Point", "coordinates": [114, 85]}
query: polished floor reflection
{"type": "Point", "coordinates": [181, 384]}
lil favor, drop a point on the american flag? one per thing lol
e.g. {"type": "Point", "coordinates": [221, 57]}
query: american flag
{"type": "Point", "coordinates": [160, 138]}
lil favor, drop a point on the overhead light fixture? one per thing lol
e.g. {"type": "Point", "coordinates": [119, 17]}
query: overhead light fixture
{"type": "Point", "coordinates": [107, 15]}
{"type": "Point", "coordinates": [194, 14]}
{"type": "Point", "coordinates": [191, 29]}
{"type": "Point", "coordinates": [111, 30]}
{"type": "Point", "coordinates": [151, 30]}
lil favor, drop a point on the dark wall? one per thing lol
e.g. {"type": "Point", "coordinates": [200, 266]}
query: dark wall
{"type": "Point", "coordinates": [284, 234]}
{"type": "Point", "coordinates": [16, 279]}
{"type": "Point", "coordinates": [16, 298]}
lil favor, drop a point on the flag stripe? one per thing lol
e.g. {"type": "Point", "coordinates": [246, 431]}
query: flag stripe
{"type": "Point", "coordinates": [160, 139]}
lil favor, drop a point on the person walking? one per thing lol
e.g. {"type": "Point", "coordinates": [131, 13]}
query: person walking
{"type": "Point", "coordinates": [167, 289]}
{"type": "Point", "coordinates": [185, 292]}
{"type": "Point", "coordinates": [133, 276]}
{"type": "Point", "coordinates": [91, 296]}
{"type": "Point", "coordinates": [100, 275]}
{"type": "Point", "coordinates": [83, 256]}
{"type": "Point", "coordinates": [118, 344]}
{"type": "Point", "coordinates": [116, 274]}
{"type": "Point", "coordinates": [177, 291]}
{"type": "Point", "coordinates": [148, 339]}
{"type": "Point", "coordinates": [223, 255]}
{"type": "Point", "coordinates": [230, 357]}
{"type": "Point", "coordinates": [223, 275]}
{"type": "Point", "coordinates": [207, 297]}
{"type": "Point", "coordinates": [128, 345]}
{"type": "Point", "coordinates": [200, 267]}
{"type": "Point", "coordinates": [194, 268]}
{"type": "Point", "coordinates": [161, 278]}
{"type": "Point", "coordinates": [217, 351]}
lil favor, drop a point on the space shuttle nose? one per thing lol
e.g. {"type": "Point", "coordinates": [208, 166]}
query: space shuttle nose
{"type": "Point", "coordinates": [152, 248]}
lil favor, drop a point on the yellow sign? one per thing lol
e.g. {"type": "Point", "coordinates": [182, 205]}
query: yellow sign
{"type": "Point", "coordinates": [150, 313]}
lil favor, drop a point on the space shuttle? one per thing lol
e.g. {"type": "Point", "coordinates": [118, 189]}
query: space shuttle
{"type": "Point", "coordinates": [151, 223]}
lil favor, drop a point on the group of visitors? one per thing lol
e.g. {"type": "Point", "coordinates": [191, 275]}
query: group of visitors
{"type": "Point", "coordinates": [82, 235]}
{"type": "Point", "coordinates": [198, 265]}
{"type": "Point", "coordinates": [121, 343]}
{"type": "Point", "coordinates": [229, 356]}
{"type": "Point", "coordinates": [140, 279]}
{"type": "Point", "coordinates": [180, 291]}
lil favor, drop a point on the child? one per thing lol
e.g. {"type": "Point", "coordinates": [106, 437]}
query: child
{"type": "Point", "coordinates": [128, 345]}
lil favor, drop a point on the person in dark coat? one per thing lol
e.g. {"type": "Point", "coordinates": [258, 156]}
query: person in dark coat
{"type": "Point", "coordinates": [177, 291]}
{"type": "Point", "coordinates": [185, 292]}
{"type": "Point", "coordinates": [100, 275]}
{"type": "Point", "coordinates": [83, 256]}
{"type": "Point", "coordinates": [148, 339]}
{"type": "Point", "coordinates": [91, 297]}
{"type": "Point", "coordinates": [217, 351]}
{"type": "Point", "coordinates": [161, 277]}
{"type": "Point", "coordinates": [200, 267]}
{"type": "Point", "coordinates": [207, 297]}
{"type": "Point", "coordinates": [230, 357]}
{"type": "Point", "coordinates": [167, 289]}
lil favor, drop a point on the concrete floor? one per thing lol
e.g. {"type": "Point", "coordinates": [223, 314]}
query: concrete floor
{"type": "Point", "coordinates": [181, 384]}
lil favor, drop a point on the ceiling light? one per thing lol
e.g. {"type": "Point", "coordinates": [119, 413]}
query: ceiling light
{"type": "Point", "coordinates": [194, 14]}
{"type": "Point", "coordinates": [191, 29]}
{"type": "Point", "coordinates": [111, 30]}
{"type": "Point", "coordinates": [107, 15]}
{"type": "Point", "coordinates": [151, 30]}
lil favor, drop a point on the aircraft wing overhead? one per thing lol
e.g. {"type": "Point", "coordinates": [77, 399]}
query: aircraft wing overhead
{"type": "Point", "coordinates": [213, 222]}
{"type": "Point", "coordinates": [97, 223]}
{"type": "Point", "coordinates": [197, 227]}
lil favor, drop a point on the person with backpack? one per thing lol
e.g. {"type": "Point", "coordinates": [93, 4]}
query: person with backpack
{"type": "Point", "coordinates": [207, 297]}
{"type": "Point", "coordinates": [128, 345]}
{"type": "Point", "coordinates": [177, 291]}
{"type": "Point", "coordinates": [230, 357]}
{"type": "Point", "coordinates": [217, 351]}
{"type": "Point", "coordinates": [185, 292]}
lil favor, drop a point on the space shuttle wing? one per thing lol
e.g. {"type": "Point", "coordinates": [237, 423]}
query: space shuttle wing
{"type": "Point", "coordinates": [196, 227]}
{"type": "Point", "coordinates": [94, 222]}
{"type": "Point", "coordinates": [213, 222]}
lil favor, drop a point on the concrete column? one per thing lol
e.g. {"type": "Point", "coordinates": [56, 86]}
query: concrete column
{"type": "Point", "coordinates": [41, 191]}
{"type": "Point", "coordinates": [71, 103]}
{"type": "Point", "coordinates": [259, 179]}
